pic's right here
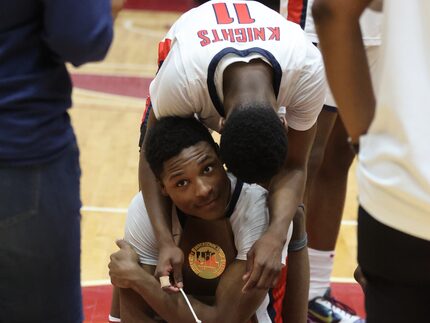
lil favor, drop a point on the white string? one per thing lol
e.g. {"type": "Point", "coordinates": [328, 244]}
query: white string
{"type": "Point", "coordinates": [189, 305]}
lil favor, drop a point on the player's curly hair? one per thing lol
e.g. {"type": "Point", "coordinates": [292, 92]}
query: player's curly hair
{"type": "Point", "coordinates": [254, 143]}
{"type": "Point", "coordinates": [169, 136]}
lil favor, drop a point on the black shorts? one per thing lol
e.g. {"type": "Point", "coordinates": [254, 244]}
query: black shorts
{"type": "Point", "coordinates": [397, 269]}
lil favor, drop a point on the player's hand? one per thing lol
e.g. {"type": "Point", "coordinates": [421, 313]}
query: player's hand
{"type": "Point", "coordinates": [263, 263]}
{"type": "Point", "coordinates": [124, 266]}
{"type": "Point", "coordinates": [170, 260]}
{"type": "Point", "coordinates": [117, 6]}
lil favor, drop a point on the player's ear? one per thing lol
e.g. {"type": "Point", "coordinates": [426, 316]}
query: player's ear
{"type": "Point", "coordinates": [282, 112]}
{"type": "Point", "coordinates": [221, 123]}
{"type": "Point", "coordinates": [284, 122]}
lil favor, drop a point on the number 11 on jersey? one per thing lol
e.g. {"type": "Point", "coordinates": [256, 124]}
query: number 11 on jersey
{"type": "Point", "coordinates": [223, 16]}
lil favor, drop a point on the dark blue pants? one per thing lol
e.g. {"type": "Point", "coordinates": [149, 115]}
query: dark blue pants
{"type": "Point", "coordinates": [397, 269]}
{"type": "Point", "coordinates": [40, 241]}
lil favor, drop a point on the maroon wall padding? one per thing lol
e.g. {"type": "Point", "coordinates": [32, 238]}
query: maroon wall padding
{"type": "Point", "coordinates": [162, 5]}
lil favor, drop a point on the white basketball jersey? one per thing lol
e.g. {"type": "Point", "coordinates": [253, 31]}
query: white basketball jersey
{"type": "Point", "coordinates": [207, 39]}
{"type": "Point", "coordinates": [394, 167]}
{"type": "Point", "coordinates": [300, 12]}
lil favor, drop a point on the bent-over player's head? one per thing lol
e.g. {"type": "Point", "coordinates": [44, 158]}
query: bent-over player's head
{"type": "Point", "coordinates": [254, 143]}
{"type": "Point", "coordinates": [184, 157]}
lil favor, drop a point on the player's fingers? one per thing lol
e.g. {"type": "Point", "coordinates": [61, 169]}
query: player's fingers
{"type": "Point", "coordinates": [160, 273]}
{"type": "Point", "coordinates": [275, 280]}
{"type": "Point", "coordinates": [166, 285]}
{"type": "Point", "coordinates": [122, 244]}
{"type": "Point", "coordinates": [249, 264]}
{"type": "Point", "coordinates": [265, 280]}
{"type": "Point", "coordinates": [162, 270]}
{"type": "Point", "coordinates": [253, 278]}
{"type": "Point", "coordinates": [250, 259]}
{"type": "Point", "coordinates": [171, 289]}
{"type": "Point", "coordinates": [177, 276]}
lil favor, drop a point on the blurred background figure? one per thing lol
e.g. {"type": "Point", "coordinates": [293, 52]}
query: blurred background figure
{"type": "Point", "coordinates": [39, 158]}
{"type": "Point", "coordinates": [393, 173]}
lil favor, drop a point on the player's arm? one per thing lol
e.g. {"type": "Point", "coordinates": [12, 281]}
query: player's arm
{"type": "Point", "coordinates": [231, 305]}
{"type": "Point", "coordinates": [159, 211]}
{"type": "Point", "coordinates": [337, 24]}
{"type": "Point", "coordinates": [285, 194]}
{"type": "Point", "coordinates": [287, 188]}
{"type": "Point", "coordinates": [295, 303]}
{"type": "Point", "coordinates": [134, 309]}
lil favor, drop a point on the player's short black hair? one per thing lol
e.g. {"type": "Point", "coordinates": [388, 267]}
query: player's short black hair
{"type": "Point", "coordinates": [254, 143]}
{"type": "Point", "coordinates": [169, 136]}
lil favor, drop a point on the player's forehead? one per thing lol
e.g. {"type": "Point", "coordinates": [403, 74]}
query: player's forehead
{"type": "Point", "coordinates": [194, 156]}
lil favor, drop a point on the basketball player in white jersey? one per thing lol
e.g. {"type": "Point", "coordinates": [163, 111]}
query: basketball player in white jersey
{"type": "Point", "coordinates": [393, 162]}
{"type": "Point", "coordinates": [331, 157]}
{"type": "Point", "coordinates": [236, 64]}
{"type": "Point", "coordinates": [232, 215]}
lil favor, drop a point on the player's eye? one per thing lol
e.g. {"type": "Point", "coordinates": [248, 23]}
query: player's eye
{"type": "Point", "coordinates": [208, 169]}
{"type": "Point", "coordinates": [182, 183]}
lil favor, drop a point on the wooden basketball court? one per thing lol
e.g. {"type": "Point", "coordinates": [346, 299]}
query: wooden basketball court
{"type": "Point", "coordinates": [109, 99]}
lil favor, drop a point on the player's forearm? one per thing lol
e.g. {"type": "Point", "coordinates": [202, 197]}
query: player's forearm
{"type": "Point", "coordinates": [158, 206]}
{"type": "Point", "coordinates": [171, 307]}
{"type": "Point", "coordinates": [295, 303]}
{"type": "Point", "coordinates": [286, 193]}
{"type": "Point", "coordinates": [133, 308]}
{"type": "Point", "coordinates": [338, 28]}
{"type": "Point", "coordinates": [115, 306]}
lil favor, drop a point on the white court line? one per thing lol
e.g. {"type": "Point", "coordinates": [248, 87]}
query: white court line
{"type": "Point", "coordinates": [124, 210]}
{"type": "Point", "coordinates": [349, 222]}
{"type": "Point", "coordinates": [103, 282]}
{"type": "Point", "coordinates": [348, 280]}
{"type": "Point", "coordinates": [104, 209]}
{"type": "Point", "coordinates": [142, 31]}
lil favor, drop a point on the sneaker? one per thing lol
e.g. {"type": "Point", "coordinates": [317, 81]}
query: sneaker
{"type": "Point", "coordinates": [327, 309]}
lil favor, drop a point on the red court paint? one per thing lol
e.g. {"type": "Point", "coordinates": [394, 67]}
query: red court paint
{"type": "Point", "coordinates": [97, 300]}
{"type": "Point", "coordinates": [122, 85]}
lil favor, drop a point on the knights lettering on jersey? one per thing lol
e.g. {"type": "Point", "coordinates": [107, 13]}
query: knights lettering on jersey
{"type": "Point", "coordinates": [243, 34]}
{"type": "Point", "coordinates": [240, 35]}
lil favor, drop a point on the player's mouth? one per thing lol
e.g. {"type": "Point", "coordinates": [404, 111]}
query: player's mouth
{"type": "Point", "coordinates": [209, 203]}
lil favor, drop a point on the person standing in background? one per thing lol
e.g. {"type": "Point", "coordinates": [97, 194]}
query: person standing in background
{"type": "Point", "coordinates": [39, 158]}
{"type": "Point", "coordinates": [394, 154]}
{"type": "Point", "coordinates": [328, 167]}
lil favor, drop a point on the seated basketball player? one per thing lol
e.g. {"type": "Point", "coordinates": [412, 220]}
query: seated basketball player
{"type": "Point", "coordinates": [219, 220]}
